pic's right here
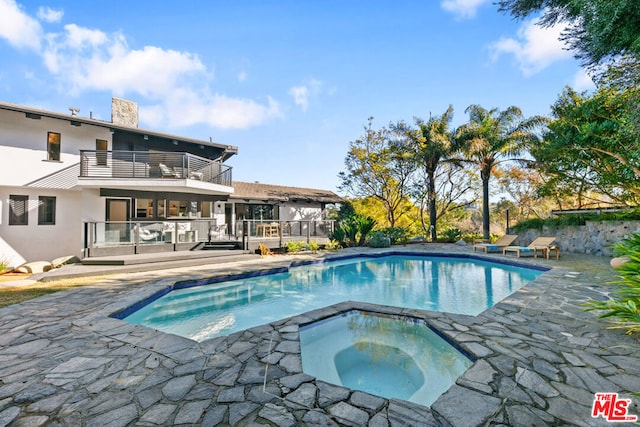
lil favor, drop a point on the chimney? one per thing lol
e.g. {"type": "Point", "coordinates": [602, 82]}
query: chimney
{"type": "Point", "coordinates": [124, 112]}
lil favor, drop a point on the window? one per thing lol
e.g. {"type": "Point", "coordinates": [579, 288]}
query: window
{"type": "Point", "coordinates": [53, 146]}
{"type": "Point", "coordinates": [46, 210]}
{"type": "Point", "coordinates": [144, 208]}
{"type": "Point", "coordinates": [257, 212]}
{"type": "Point", "coordinates": [188, 208]}
{"type": "Point", "coordinates": [178, 207]}
{"type": "Point", "coordinates": [18, 210]}
{"type": "Point", "coordinates": [101, 152]}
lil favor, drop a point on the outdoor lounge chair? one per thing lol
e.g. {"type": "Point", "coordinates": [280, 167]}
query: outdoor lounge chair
{"type": "Point", "coordinates": [540, 244]}
{"type": "Point", "coordinates": [166, 171]}
{"type": "Point", "coordinates": [503, 241]}
{"type": "Point", "coordinates": [147, 235]}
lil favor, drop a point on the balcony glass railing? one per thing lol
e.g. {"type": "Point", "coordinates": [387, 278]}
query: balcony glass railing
{"type": "Point", "coordinates": [145, 164]}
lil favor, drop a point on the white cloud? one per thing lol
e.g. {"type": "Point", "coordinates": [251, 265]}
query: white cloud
{"type": "Point", "coordinates": [79, 37]}
{"type": "Point", "coordinates": [47, 14]}
{"type": "Point", "coordinates": [186, 108]}
{"type": "Point", "coordinates": [18, 28]}
{"type": "Point", "coordinates": [582, 81]}
{"type": "Point", "coordinates": [535, 47]}
{"type": "Point", "coordinates": [86, 59]}
{"type": "Point", "coordinates": [462, 9]}
{"type": "Point", "coordinates": [173, 84]}
{"type": "Point", "coordinates": [302, 94]}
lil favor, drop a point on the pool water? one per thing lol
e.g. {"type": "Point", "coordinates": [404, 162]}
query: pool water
{"type": "Point", "coordinates": [457, 285]}
{"type": "Point", "coordinates": [384, 355]}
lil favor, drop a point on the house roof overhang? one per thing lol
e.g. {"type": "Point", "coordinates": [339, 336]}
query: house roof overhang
{"type": "Point", "coordinates": [278, 193]}
{"type": "Point", "coordinates": [35, 113]}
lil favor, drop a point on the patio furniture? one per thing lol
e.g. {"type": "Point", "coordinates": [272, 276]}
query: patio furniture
{"type": "Point", "coordinates": [217, 231]}
{"type": "Point", "coordinates": [553, 248]}
{"type": "Point", "coordinates": [486, 246]}
{"type": "Point", "coordinates": [540, 244]}
{"type": "Point", "coordinates": [150, 234]}
{"type": "Point", "coordinates": [185, 233]}
{"type": "Point", "coordinates": [166, 171]}
{"type": "Point", "coordinates": [268, 230]}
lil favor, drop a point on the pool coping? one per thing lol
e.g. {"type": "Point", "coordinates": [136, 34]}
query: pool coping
{"type": "Point", "coordinates": [540, 360]}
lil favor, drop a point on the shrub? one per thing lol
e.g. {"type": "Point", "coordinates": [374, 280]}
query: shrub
{"type": "Point", "coordinates": [313, 246]}
{"type": "Point", "coordinates": [575, 220]}
{"type": "Point", "coordinates": [472, 236]}
{"type": "Point", "coordinates": [625, 303]}
{"type": "Point", "coordinates": [354, 229]}
{"type": "Point", "coordinates": [533, 223]}
{"type": "Point", "coordinates": [4, 265]}
{"type": "Point", "coordinates": [450, 235]}
{"type": "Point", "coordinates": [379, 240]}
{"type": "Point", "coordinates": [333, 245]}
{"type": "Point", "coordinates": [294, 246]}
{"type": "Point", "coordinates": [396, 235]}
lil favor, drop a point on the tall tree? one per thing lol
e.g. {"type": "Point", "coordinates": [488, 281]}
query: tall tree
{"type": "Point", "coordinates": [454, 184]}
{"type": "Point", "coordinates": [492, 137]}
{"type": "Point", "coordinates": [521, 185]}
{"type": "Point", "coordinates": [597, 30]}
{"type": "Point", "coordinates": [380, 166]}
{"type": "Point", "coordinates": [432, 143]}
{"type": "Point", "coordinates": [591, 146]}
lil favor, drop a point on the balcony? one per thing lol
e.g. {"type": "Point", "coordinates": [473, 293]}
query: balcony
{"type": "Point", "coordinates": [171, 170]}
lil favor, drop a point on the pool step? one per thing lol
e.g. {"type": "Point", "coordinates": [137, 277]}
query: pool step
{"type": "Point", "coordinates": [214, 300]}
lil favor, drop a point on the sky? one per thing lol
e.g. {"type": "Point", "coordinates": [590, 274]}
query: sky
{"type": "Point", "coordinates": [289, 82]}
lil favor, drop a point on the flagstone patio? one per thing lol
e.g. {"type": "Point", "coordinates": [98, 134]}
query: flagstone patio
{"type": "Point", "coordinates": [540, 359]}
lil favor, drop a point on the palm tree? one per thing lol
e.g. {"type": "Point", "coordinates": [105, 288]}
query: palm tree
{"type": "Point", "coordinates": [433, 143]}
{"type": "Point", "coordinates": [492, 137]}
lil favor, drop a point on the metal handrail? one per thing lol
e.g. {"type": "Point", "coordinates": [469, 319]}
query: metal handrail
{"type": "Point", "coordinates": [152, 164]}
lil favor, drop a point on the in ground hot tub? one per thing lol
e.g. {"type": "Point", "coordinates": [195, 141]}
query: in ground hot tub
{"type": "Point", "coordinates": [385, 355]}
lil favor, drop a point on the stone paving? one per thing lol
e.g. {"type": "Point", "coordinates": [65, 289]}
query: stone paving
{"type": "Point", "coordinates": [539, 360]}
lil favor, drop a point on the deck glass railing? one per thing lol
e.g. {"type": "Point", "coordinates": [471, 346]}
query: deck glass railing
{"type": "Point", "coordinates": [152, 164]}
{"type": "Point", "coordinates": [291, 228]}
{"type": "Point", "coordinates": [122, 233]}
{"type": "Point", "coordinates": [104, 234]}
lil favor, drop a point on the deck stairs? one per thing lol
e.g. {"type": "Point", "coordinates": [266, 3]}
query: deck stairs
{"type": "Point", "coordinates": [220, 244]}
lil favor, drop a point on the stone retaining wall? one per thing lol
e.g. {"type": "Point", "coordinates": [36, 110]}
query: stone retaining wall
{"type": "Point", "coordinates": [594, 238]}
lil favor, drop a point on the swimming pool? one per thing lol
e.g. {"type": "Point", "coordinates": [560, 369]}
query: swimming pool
{"type": "Point", "coordinates": [453, 284]}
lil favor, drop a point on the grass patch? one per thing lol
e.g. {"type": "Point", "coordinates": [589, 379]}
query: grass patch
{"type": "Point", "coordinates": [18, 294]}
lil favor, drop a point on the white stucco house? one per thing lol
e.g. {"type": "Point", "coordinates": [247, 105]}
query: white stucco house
{"type": "Point", "coordinates": [72, 185]}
